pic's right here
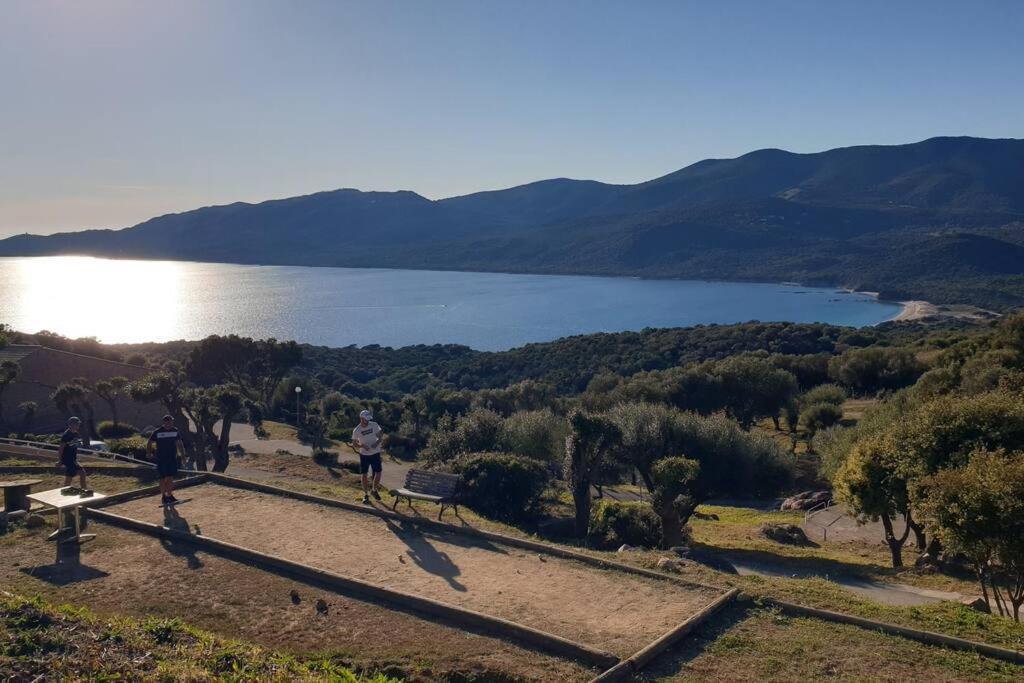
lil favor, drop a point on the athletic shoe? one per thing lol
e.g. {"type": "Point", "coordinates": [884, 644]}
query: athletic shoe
{"type": "Point", "coordinates": [376, 495]}
{"type": "Point", "coordinates": [366, 500]}
{"type": "Point", "coordinates": [86, 493]}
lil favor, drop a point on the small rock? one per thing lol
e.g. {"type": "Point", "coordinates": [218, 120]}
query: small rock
{"type": "Point", "coordinates": [789, 534]}
{"type": "Point", "coordinates": [321, 606]}
{"type": "Point", "coordinates": [626, 548]}
{"type": "Point", "coordinates": [541, 558]}
{"type": "Point", "coordinates": [976, 603]}
{"type": "Point", "coordinates": [294, 595]}
{"type": "Point", "coordinates": [806, 500]}
{"type": "Point", "coordinates": [35, 521]}
{"type": "Point", "coordinates": [669, 565]}
{"type": "Point", "coordinates": [927, 562]}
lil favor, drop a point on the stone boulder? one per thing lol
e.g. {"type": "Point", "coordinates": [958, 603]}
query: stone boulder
{"type": "Point", "coordinates": [667, 564]}
{"type": "Point", "coordinates": [788, 534]}
{"type": "Point", "coordinates": [977, 603]}
{"type": "Point", "coordinates": [806, 500]}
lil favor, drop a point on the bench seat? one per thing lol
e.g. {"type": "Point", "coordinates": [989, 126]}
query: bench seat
{"type": "Point", "coordinates": [406, 493]}
{"type": "Point", "coordinates": [434, 487]}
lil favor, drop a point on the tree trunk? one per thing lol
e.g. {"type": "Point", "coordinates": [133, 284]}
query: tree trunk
{"type": "Point", "coordinates": [919, 535]}
{"type": "Point", "coordinates": [895, 544]}
{"type": "Point", "coordinates": [581, 498]}
{"type": "Point", "coordinates": [671, 531]}
{"type": "Point", "coordinates": [223, 456]}
{"type": "Point", "coordinates": [775, 421]}
{"type": "Point", "coordinates": [984, 589]}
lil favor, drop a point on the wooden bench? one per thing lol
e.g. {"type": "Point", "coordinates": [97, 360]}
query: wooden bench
{"type": "Point", "coordinates": [16, 493]}
{"type": "Point", "coordinates": [435, 487]}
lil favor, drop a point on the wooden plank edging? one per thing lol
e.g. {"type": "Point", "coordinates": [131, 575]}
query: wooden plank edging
{"type": "Point", "coordinates": [112, 470]}
{"type": "Point", "coordinates": [633, 664]}
{"type": "Point", "coordinates": [478, 620]}
{"type": "Point", "coordinates": [927, 637]}
{"type": "Point", "coordinates": [526, 544]}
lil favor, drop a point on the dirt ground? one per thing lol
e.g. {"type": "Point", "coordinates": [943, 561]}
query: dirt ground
{"type": "Point", "coordinates": [126, 573]}
{"type": "Point", "coordinates": [611, 610]}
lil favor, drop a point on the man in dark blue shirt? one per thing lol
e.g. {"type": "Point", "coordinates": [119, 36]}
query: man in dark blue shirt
{"type": "Point", "coordinates": [70, 440]}
{"type": "Point", "coordinates": [169, 445]}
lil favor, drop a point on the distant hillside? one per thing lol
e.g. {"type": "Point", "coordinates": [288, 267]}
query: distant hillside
{"type": "Point", "coordinates": [941, 219]}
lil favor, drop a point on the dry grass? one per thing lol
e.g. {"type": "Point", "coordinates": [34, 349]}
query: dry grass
{"type": "Point", "coordinates": [66, 643]}
{"type": "Point", "coordinates": [766, 646]}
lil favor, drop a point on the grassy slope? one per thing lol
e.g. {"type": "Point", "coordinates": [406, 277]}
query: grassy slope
{"type": "Point", "coordinates": [64, 643]}
{"type": "Point", "coordinates": [767, 646]}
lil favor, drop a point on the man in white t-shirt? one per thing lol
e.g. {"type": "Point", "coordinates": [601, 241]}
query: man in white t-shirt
{"type": "Point", "coordinates": [366, 439]}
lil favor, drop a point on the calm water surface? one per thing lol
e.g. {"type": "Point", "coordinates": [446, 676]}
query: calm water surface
{"type": "Point", "coordinates": [135, 301]}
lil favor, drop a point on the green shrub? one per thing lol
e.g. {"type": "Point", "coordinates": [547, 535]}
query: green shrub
{"type": "Point", "coordinates": [108, 430]}
{"type": "Point", "coordinates": [475, 432]}
{"type": "Point", "coordinates": [501, 485]}
{"type": "Point", "coordinates": [134, 446]}
{"type": "Point", "coordinates": [824, 393]}
{"type": "Point", "coordinates": [537, 434]}
{"type": "Point", "coordinates": [613, 524]}
{"type": "Point", "coordinates": [820, 416]}
{"type": "Point", "coordinates": [325, 458]}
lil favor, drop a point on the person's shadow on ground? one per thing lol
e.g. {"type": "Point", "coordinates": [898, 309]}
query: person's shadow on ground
{"type": "Point", "coordinates": [175, 522]}
{"type": "Point", "coordinates": [426, 556]}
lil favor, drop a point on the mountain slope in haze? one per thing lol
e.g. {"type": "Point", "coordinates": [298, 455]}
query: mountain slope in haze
{"type": "Point", "coordinates": [843, 217]}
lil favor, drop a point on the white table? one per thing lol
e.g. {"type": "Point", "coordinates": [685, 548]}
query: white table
{"type": "Point", "coordinates": [59, 501]}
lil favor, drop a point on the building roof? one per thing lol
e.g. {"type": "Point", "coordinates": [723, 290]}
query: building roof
{"type": "Point", "coordinates": [18, 352]}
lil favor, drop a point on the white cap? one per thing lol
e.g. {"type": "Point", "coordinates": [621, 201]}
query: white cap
{"type": "Point", "coordinates": [366, 415]}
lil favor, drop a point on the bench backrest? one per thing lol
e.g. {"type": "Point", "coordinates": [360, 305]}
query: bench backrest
{"type": "Point", "coordinates": [432, 483]}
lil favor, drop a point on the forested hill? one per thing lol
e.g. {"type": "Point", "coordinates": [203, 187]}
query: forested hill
{"type": "Point", "coordinates": [941, 219]}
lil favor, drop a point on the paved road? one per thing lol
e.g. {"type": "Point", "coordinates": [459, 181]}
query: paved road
{"type": "Point", "coordinates": [885, 593]}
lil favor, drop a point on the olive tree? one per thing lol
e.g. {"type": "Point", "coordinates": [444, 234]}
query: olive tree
{"type": "Point", "coordinates": [672, 497]}
{"type": "Point", "coordinates": [592, 438]}
{"type": "Point", "coordinates": [728, 460]}
{"type": "Point", "coordinates": [978, 512]}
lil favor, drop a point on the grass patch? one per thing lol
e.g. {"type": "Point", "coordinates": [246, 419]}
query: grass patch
{"type": "Point", "coordinates": [36, 638]}
{"type": "Point", "coordinates": [764, 645]}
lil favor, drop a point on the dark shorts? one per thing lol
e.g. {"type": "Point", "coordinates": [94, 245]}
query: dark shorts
{"type": "Point", "coordinates": [370, 462]}
{"type": "Point", "coordinates": [71, 466]}
{"type": "Point", "coordinates": [167, 466]}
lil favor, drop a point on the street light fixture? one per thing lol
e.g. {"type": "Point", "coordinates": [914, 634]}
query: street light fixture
{"type": "Point", "coordinates": [298, 390]}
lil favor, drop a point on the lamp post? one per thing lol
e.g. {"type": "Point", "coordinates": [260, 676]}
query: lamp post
{"type": "Point", "coordinates": [298, 391]}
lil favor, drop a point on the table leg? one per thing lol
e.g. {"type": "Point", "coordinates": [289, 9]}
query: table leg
{"type": "Point", "coordinates": [60, 526]}
{"type": "Point", "coordinates": [79, 536]}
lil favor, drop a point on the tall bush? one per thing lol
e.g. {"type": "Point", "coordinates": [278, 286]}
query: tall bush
{"type": "Point", "coordinates": [500, 485]}
{"type": "Point", "coordinates": [614, 523]}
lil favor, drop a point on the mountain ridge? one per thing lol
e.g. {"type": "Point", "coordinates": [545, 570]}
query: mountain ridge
{"type": "Point", "coordinates": [824, 217]}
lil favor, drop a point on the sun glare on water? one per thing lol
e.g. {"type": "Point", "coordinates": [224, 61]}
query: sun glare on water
{"type": "Point", "coordinates": [115, 301]}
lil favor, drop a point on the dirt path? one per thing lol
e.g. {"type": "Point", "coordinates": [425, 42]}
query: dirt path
{"type": "Point", "coordinates": [610, 610]}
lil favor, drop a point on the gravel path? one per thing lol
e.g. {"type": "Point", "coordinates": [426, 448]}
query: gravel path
{"type": "Point", "coordinates": [610, 610]}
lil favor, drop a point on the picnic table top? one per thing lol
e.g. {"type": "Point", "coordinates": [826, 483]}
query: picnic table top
{"type": "Point", "coordinates": [55, 499]}
{"type": "Point", "coordinates": [19, 482]}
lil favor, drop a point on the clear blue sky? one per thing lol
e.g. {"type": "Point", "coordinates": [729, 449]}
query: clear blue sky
{"type": "Point", "coordinates": [112, 112]}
